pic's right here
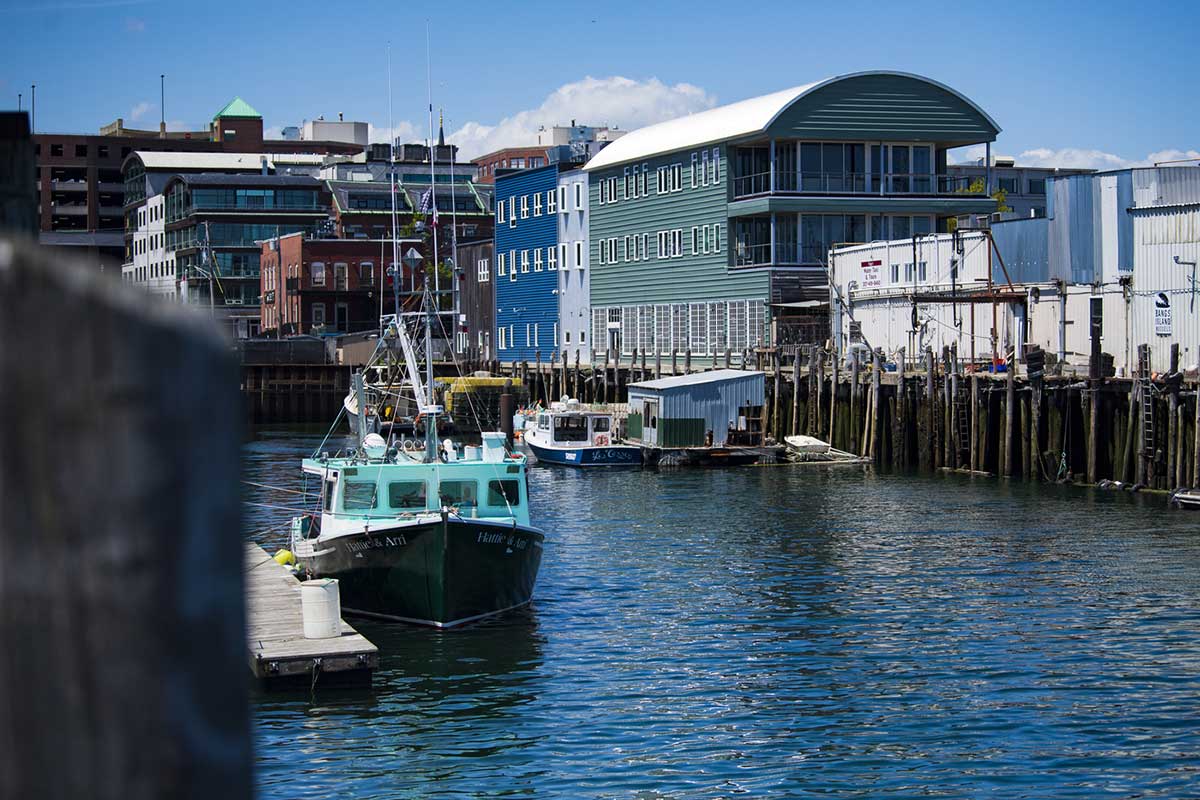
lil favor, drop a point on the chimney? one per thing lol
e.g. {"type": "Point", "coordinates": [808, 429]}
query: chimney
{"type": "Point", "coordinates": [264, 164]}
{"type": "Point", "coordinates": [340, 116]}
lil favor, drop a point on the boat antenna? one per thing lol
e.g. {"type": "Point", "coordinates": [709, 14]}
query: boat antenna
{"type": "Point", "coordinates": [453, 237]}
{"type": "Point", "coordinates": [394, 269]}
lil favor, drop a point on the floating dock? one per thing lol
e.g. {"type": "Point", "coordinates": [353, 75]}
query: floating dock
{"type": "Point", "coordinates": [280, 656]}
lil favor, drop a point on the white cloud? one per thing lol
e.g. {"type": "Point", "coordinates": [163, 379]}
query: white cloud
{"type": "Point", "coordinates": [616, 101]}
{"type": "Point", "coordinates": [135, 25]}
{"type": "Point", "coordinates": [139, 111]}
{"type": "Point", "coordinates": [1080, 158]}
{"type": "Point", "coordinates": [405, 131]}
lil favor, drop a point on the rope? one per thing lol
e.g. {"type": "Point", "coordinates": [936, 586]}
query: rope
{"type": "Point", "coordinates": [273, 488]}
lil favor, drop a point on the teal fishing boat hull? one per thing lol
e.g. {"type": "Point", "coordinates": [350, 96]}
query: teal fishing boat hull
{"type": "Point", "coordinates": [442, 574]}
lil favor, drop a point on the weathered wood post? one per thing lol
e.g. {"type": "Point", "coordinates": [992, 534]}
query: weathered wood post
{"type": "Point", "coordinates": [876, 405]}
{"type": "Point", "coordinates": [121, 603]}
{"type": "Point", "coordinates": [728, 356]}
{"type": "Point", "coordinates": [1036, 379]}
{"type": "Point", "coordinates": [833, 392]}
{"type": "Point", "coordinates": [537, 391]}
{"type": "Point", "coordinates": [642, 372]}
{"type": "Point", "coordinates": [776, 358]}
{"type": "Point", "coordinates": [687, 361]}
{"type": "Point", "coordinates": [1196, 436]}
{"type": "Point", "coordinates": [604, 379]}
{"type": "Point", "coordinates": [854, 384]}
{"type": "Point", "coordinates": [657, 363]}
{"type": "Point", "coordinates": [929, 440]}
{"type": "Point", "coordinates": [1146, 401]}
{"type": "Point", "coordinates": [1173, 411]}
{"type": "Point", "coordinates": [674, 360]}
{"type": "Point", "coordinates": [574, 376]}
{"type": "Point", "coordinates": [551, 394]}
{"type": "Point", "coordinates": [899, 434]}
{"type": "Point", "coordinates": [795, 393]}
{"type": "Point", "coordinates": [1010, 402]}
{"type": "Point", "coordinates": [949, 460]}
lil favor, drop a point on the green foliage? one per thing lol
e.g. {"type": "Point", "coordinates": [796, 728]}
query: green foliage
{"type": "Point", "coordinates": [979, 187]}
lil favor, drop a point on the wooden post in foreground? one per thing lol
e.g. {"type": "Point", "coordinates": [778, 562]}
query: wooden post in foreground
{"type": "Point", "coordinates": [121, 606]}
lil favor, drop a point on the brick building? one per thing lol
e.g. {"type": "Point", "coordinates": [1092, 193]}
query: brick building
{"type": "Point", "coordinates": [80, 191]}
{"type": "Point", "coordinates": [326, 285]}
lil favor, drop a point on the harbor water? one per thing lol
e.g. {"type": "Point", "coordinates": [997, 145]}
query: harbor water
{"type": "Point", "coordinates": [778, 632]}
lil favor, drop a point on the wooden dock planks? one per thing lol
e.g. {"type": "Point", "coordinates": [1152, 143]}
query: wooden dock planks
{"type": "Point", "coordinates": [278, 651]}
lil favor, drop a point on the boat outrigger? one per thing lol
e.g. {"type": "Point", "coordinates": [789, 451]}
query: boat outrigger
{"type": "Point", "coordinates": [568, 435]}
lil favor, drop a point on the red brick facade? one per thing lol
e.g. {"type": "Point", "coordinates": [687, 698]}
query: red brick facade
{"type": "Point", "coordinates": [508, 158]}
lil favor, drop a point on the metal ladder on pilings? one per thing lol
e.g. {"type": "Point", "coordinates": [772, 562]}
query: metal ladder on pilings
{"type": "Point", "coordinates": [1146, 390]}
{"type": "Point", "coordinates": [962, 420]}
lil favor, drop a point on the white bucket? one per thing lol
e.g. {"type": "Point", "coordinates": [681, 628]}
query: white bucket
{"type": "Point", "coordinates": [472, 453]}
{"type": "Point", "coordinates": [321, 607]}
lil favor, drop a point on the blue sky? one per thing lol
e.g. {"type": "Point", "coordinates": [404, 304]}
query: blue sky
{"type": "Point", "coordinates": [1085, 84]}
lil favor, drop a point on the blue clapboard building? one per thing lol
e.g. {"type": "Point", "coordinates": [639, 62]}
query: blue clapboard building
{"type": "Point", "coordinates": [526, 264]}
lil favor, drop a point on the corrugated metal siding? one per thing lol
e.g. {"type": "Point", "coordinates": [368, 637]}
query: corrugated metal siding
{"type": "Point", "coordinates": [1023, 245]}
{"type": "Point", "coordinates": [1071, 241]}
{"type": "Point", "coordinates": [531, 299]}
{"type": "Point", "coordinates": [888, 107]}
{"type": "Point", "coordinates": [687, 278]}
{"type": "Point", "coordinates": [1160, 186]}
{"type": "Point", "coordinates": [1160, 235]}
{"type": "Point", "coordinates": [715, 403]}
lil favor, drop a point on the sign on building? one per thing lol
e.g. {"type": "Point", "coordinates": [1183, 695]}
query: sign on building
{"type": "Point", "coordinates": [1162, 314]}
{"type": "Point", "coordinates": [872, 278]}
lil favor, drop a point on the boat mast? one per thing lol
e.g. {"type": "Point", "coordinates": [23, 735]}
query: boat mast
{"type": "Point", "coordinates": [431, 422]}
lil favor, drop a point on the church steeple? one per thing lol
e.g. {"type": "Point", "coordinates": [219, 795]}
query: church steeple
{"type": "Point", "coordinates": [441, 127]}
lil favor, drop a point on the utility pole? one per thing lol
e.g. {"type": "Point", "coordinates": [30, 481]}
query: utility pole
{"type": "Point", "coordinates": [33, 107]}
{"type": "Point", "coordinates": [162, 106]}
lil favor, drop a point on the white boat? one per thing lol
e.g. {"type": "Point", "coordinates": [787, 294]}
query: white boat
{"type": "Point", "coordinates": [568, 435]}
{"type": "Point", "coordinates": [812, 450]}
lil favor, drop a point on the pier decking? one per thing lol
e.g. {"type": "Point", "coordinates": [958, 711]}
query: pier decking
{"type": "Point", "coordinates": [279, 653]}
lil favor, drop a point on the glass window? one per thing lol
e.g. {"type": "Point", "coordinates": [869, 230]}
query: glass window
{"type": "Point", "coordinates": [359, 495]}
{"type": "Point", "coordinates": [458, 493]}
{"type": "Point", "coordinates": [570, 429]}
{"type": "Point", "coordinates": [1037, 185]}
{"type": "Point", "coordinates": [901, 227]}
{"type": "Point", "coordinates": [406, 494]}
{"type": "Point", "coordinates": [318, 273]}
{"type": "Point", "coordinates": [922, 226]}
{"type": "Point", "coordinates": [504, 493]}
{"type": "Point", "coordinates": [601, 424]}
{"type": "Point", "coordinates": [1008, 185]}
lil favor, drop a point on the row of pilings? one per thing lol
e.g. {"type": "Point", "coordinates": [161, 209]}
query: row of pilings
{"type": "Point", "coordinates": [1027, 420]}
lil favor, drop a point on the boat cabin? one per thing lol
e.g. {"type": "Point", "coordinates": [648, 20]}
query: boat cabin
{"type": "Point", "coordinates": [568, 427]}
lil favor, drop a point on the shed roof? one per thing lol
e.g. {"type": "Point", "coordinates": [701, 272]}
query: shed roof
{"type": "Point", "coordinates": [696, 378]}
{"type": "Point", "coordinates": [757, 114]}
{"type": "Point", "coordinates": [154, 159]}
{"type": "Point", "coordinates": [239, 109]}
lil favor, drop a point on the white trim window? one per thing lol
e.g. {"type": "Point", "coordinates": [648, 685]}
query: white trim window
{"type": "Point", "coordinates": [612, 189]}
{"type": "Point", "coordinates": [627, 194]}
{"type": "Point", "coordinates": [500, 271]}
{"type": "Point", "coordinates": [704, 237]}
{"type": "Point", "coordinates": [537, 260]}
{"type": "Point", "coordinates": [625, 248]}
{"type": "Point", "coordinates": [664, 244]}
{"type": "Point", "coordinates": [502, 343]}
{"type": "Point", "coordinates": [645, 247]}
{"type": "Point", "coordinates": [662, 180]}
{"type": "Point", "coordinates": [524, 206]}
{"type": "Point", "coordinates": [537, 204]}
{"type": "Point", "coordinates": [483, 270]}
{"type": "Point", "coordinates": [695, 162]}
{"type": "Point", "coordinates": [551, 202]}
{"type": "Point", "coordinates": [512, 265]}
{"type": "Point", "coordinates": [524, 261]}
{"type": "Point", "coordinates": [318, 314]}
{"type": "Point", "coordinates": [556, 335]}
{"type": "Point", "coordinates": [612, 249]}
{"type": "Point", "coordinates": [500, 212]}
{"type": "Point", "coordinates": [716, 164]}
{"type": "Point", "coordinates": [562, 257]}
{"type": "Point", "coordinates": [677, 177]}
{"type": "Point", "coordinates": [636, 176]}
{"type": "Point", "coordinates": [716, 237]}
{"type": "Point", "coordinates": [579, 254]}
{"type": "Point", "coordinates": [551, 258]}
{"type": "Point", "coordinates": [642, 181]}
{"type": "Point", "coordinates": [677, 243]}
{"type": "Point", "coordinates": [704, 169]}
{"type": "Point", "coordinates": [512, 212]}
{"type": "Point", "coordinates": [562, 200]}
{"type": "Point", "coordinates": [602, 192]}
{"type": "Point", "coordinates": [317, 271]}
{"type": "Point", "coordinates": [527, 327]}
{"type": "Point", "coordinates": [695, 240]}
{"type": "Point", "coordinates": [579, 196]}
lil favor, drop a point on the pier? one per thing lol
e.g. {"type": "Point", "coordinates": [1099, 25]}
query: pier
{"type": "Point", "coordinates": [279, 654]}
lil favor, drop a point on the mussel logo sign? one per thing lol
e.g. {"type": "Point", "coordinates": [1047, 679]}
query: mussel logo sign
{"type": "Point", "coordinates": [1162, 314]}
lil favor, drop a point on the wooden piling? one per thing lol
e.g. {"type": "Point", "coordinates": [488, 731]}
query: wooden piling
{"type": "Point", "coordinates": [795, 393]}
{"type": "Point", "coordinates": [854, 385]}
{"type": "Point", "coordinates": [121, 607]}
{"type": "Point", "coordinates": [876, 405]}
{"type": "Point", "coordinates": [776, 357]}
{"type": "Point", "coordinates": [1172, 413]}
{"type": "Point", "coordinates": [833, 393]}
{"type": "Point", "coordinates": [1010, 401]}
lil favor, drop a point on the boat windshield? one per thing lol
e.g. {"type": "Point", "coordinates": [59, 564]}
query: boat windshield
{"type": "Point", "coordinates": [601, 424]}
{"type": "Point", "coordinates": [570, 429]}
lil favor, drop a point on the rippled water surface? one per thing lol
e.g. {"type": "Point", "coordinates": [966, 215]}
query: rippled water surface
{"type": "Point", "coordinates": [781, 632]}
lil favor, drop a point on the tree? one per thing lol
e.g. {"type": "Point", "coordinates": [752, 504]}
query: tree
{"type": "Point", "coordinates": [979, 187]}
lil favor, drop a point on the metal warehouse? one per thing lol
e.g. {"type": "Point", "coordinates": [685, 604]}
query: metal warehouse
{"type": "Point", "coordinates": [695, 410]}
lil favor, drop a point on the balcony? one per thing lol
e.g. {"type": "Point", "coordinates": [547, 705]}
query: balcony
{"type": "Point", "coordinates": [69, 210]}
{"type": "Point", "coordinates": [69, 186]}
{"type": "Point", "coordinates": [790, 182]}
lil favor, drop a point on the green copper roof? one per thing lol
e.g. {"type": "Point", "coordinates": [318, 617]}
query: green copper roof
{"type": "Point", "coordinates": [237, 107]}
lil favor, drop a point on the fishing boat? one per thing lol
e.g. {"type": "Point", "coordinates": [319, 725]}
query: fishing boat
{"type": "Point", "coordinates": [568, 435]}
{"type": "Point", "coordinates": [416, 530]}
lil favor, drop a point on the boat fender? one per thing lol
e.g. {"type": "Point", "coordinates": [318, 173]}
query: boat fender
{"type": "Point", "coordinates": [285, 558]}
